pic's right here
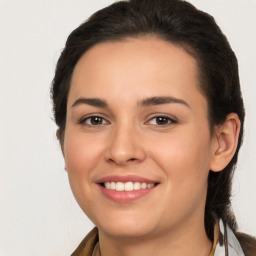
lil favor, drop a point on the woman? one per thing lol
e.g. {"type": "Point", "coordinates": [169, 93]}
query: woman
{"type": "Point", "coordinates": [147, 99]}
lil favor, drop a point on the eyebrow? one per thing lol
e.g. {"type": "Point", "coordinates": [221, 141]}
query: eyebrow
{"type": "Point", "coordinates": [96, 102]}
{"type": "Point", "coordinates": [161, 100]}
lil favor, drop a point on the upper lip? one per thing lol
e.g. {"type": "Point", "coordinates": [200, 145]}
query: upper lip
{"type": "Point", "coordinates": [125, 178]}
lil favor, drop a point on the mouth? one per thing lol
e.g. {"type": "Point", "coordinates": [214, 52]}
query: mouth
{"type": "Point", "coordinates": [124, 189]}
{"type": "Point", "coordinates": [127, 186]}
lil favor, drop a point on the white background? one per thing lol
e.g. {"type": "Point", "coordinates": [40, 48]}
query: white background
{"type": "Point", "coordinates": [38, 214]}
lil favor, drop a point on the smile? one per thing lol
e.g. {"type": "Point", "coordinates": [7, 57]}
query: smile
{"type": "Point", "coordinates": [124, 189]}
{"type": "Point", "coordinates": [127, 186]}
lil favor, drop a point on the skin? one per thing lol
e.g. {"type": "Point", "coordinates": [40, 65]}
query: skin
{"type": "Point", "coordinates": [130, 140]}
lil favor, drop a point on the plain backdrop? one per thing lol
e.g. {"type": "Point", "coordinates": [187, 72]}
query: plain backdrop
{"type": "Point", "coordinates": [38, 214]}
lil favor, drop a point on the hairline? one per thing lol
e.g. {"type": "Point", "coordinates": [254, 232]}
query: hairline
{"type": "Point", "coordinates": [141, 35]}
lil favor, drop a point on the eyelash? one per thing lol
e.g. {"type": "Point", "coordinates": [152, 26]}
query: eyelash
{"type": "Point", "coordinates": [83, 120]}
{"type": "Point", "coordinates": [169, 120]}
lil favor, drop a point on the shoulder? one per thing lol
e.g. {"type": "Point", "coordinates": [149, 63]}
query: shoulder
{"type": "Point", "coordinates": [86, 247]}
{"type": "Point", "coordinates": [248, 243]}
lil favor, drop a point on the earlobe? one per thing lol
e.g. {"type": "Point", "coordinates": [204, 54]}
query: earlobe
{"type": "Point", "coordinates": [226, 139]}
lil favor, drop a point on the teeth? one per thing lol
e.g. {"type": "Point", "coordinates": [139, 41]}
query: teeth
{"type": "Point", "coordinates": [127, 186]}
{"type": "Point", "coordinates": [151, 185]}
{"type": "Point", "coordinates": [108, 185]}
{"type": "Point", "coordinates": [120, 186]}
{"type": "Point", "coordinates": [112, 185]}
{"type": "Point", "coordinates": [144, 185]}
{"type": "Point", "coordinates": [136, 186]}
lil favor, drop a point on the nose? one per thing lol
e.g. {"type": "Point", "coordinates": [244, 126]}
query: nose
{"type": "Point", "coordinates": [125, 146]}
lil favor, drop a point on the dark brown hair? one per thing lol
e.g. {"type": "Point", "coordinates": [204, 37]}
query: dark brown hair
{"type": "Point", "coordinates": [180, 23]}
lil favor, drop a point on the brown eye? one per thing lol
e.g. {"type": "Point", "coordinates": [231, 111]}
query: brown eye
{"type": "Point", "coordinates": [93, 121]}
{"type": "Point", "coordinates": [96, 120]}
{"type": "Point", "coordinates": [161, 120]}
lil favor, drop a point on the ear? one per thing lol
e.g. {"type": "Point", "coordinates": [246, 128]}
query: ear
{"type": "Point", "coordinates": [225, 142]}
{"type": "Point", "coordinates": [61, 141]}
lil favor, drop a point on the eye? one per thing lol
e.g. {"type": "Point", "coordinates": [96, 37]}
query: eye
{"type": "Point", "coordinates": [161, 121]}
{"type": "Point", "coordinates": [93, 121]}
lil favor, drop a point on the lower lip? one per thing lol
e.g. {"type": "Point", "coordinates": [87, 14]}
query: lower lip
{"type": "Point", "coordinates": [125, 196]}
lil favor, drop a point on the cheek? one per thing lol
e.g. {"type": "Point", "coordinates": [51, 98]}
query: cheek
{"type": "Point", "coordinates": [82, 153]}
{"type": "Point", "coordinates": [185, 157]}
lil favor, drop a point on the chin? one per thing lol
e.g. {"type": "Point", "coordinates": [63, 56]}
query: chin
{"type": "Point", "coordinates": [126, 226]}
{"type": "Point", "coordinates": [126, 231]}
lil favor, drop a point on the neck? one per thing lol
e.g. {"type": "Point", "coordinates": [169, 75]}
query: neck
{"type": "Point", "coordinates": [186, 240]}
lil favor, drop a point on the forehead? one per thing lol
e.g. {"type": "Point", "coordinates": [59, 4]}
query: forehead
{"type": "Point", "coordinates": [144, 65]}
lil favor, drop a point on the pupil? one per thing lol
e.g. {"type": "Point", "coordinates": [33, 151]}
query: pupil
{"type": "Point", "coordinates": [96, 120]}
{"type": "Point", "coordinates": [162, 120]}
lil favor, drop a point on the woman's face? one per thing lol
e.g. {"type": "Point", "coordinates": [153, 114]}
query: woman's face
{"type": "Point", "coordinates": [136, 119]}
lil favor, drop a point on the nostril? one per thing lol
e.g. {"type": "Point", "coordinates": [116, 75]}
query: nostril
{"type": "Point", "coordinates": [132, 159]}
